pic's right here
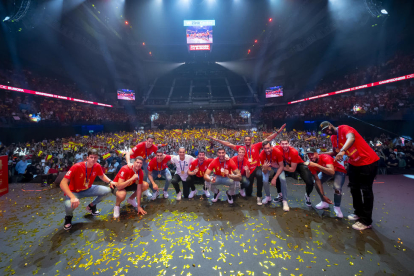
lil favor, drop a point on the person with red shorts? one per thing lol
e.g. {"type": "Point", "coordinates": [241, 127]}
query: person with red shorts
{"type": "Point", "coordinates": [196, 173]}
{"type": "Point", "coordinates": [243, 165]}
{"type": "Point", "coordinates": [130, 179]}
{"type": "Point", "coordinates": [77, 184]}
{"type": "Point", "coordinates": [252, 155]}
{"type": "Point", "coordinates": [293, 163]}
{"type": "Point", "coordinates": [363, 164]}
{"type": "Point", "coordinates": [324, 168]}
{"type": "Point", "coordinates": [143, 149]}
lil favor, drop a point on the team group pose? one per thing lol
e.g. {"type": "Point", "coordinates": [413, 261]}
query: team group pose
{"type": "Point", "coordinates": [267, 164]}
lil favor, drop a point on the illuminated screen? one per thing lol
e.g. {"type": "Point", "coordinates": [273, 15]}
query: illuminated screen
{"type": "Point", "coordinates": [200, 47]}
{"type": "Point", "coordinates": [199, 34]}
{"type": "Point", "coordinates": [126, 94]}
{"type": "Point", "coordinates": [274, 92]}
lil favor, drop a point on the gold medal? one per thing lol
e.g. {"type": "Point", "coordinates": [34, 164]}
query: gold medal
{"type": "Point", "coordinates": [250, 160]}
{"type": "Point", "coordinates": [182, 172]}
{"type": "Point", "coordinates": [159, 175]}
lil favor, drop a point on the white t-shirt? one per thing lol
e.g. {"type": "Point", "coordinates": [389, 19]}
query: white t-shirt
{"type": "Point", "coordinates": [182, 165]}
{"type": "Point", "coordinates": [79, 157]}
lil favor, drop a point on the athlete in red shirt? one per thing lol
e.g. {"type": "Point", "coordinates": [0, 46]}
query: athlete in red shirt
{"type": "Point", "coordinates": [271, 157]}
{"type": "Point", "coordinates": [293, 163]}
{"type": "Point", "coordinates": [130, 179]}
{"type": "Point", "coordinates": [252, 154]}
{"type": "Point", "coordinates": [225, 173]}
{"type": "Point", "coordinates": [77, 183]}
{"type": "Point", "coordinates": [324, 168]}
{"type": "Point", "coordinates": [243, 165]}
{"type": "Point", "coordinates": [196, 172]}
{"type": "Point", "coordinates": [157, 168]}
{"type": "Point", "coordinates": [363, 164]}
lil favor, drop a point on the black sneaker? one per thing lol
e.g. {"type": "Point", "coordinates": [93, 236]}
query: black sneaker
{"type": "Point", "coordinates": [216, 197]}
{"type": "Point", "coordinates": [307, 200]}
{"type": "Point", "coordinates": [229, 198]}
{"type": "Point", "coordinates": [68, 223]}
{"type": "Point", "coordinates": [279, 198]}
{"type": "Point", "coordinates": [92, 210]}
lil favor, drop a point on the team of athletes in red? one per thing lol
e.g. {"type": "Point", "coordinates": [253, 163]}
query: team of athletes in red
{"type": "Point", "coordinates": [258, 161]}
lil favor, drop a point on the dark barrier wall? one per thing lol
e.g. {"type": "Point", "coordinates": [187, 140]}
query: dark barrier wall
{"type": "Point", "coordinates": [10, 135]}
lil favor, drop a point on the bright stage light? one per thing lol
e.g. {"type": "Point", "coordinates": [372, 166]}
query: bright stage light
{"type": "Point", "coordinates": [126, 23]}
{"type": "Point", "coordinates": [7, 18]}
{"type": "Point", "coordinates": [384, 11]}
{"type": "Point", "coordinates": [143, 43]}
{"type": "Point", "coordinates": [270, 19]}
{"type": "Point", "coordinates": [255, 41]}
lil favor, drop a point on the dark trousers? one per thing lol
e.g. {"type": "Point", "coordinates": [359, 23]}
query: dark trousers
{"type": "Point", "coordinates": [193, 179]}
{"type": "Point", "coordinates": [244, 183]}
{"type": "Point", "coordinates": [307, 177]}
{"type": "Point", "coordinates": [186, 189]}
{"type": "Point", "coordinates": [257, 173]}
{"type": "Point", "coordinates": [361, 179]}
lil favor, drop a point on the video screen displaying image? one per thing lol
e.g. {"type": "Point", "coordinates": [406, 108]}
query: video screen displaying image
{"type": "Point", "coordinates": [126, 94]}
{"type": "Point", "coordinates": [274, 92]}
{"type": "Point", "coordinates": [199, 34]}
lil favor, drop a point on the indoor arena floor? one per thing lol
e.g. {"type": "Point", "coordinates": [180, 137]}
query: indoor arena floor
{"type": "Point", "coordinates": [196, 237]}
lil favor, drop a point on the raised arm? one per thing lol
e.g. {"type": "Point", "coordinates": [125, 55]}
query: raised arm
{"type": "Point", "coordinates": [128, 156]}
{"type": "Point", "coordinates": [273, 136]}
{"type": "Point", "coordinates": [224, 143]}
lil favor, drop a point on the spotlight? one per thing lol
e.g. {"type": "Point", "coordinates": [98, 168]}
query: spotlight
{"type": "Point", "coordinates": [7, 18]}
{"type": "Point", "coordinates": [384, 11]}
{"type": "Point", "coordinates": [143, 43]}
{"type": "Point", "coordinates": [255, 41]}
{"type": "Point", "coordinates": [270, 19]}
{"type": "Point", "coordinates": [248, 52]}
{"type": "Point", "coordinates": [150, 53]}
{"type": "Point", "coordinates": [126, 23]}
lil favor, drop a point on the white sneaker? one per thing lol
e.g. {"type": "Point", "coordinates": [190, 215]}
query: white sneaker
{"type": "Point", "coordinates": [166, 194]}
{"type": "Point", "coordinates": [207, 193]}
{"type": "Point", "coordinates": [229, 198]}
{"type": "Point", "coordinates": [285, 206]}
{"type": "Point", "coordinates": [353, 217]}
{"type": "Point", "coordinates": [178, 197]}
{"type": "Point", "coordinates": [155, 195]}
{"type": "Point", "coordinates": [322, 205]}
{"type": "Point", "coordinates": [216, 197]}
{"type": "Point", "coordinates": [242, 193]}
{"type": "Point", "coordinates": [307, 201]}
{"type": "Point", "coordinates": [147, 193]}
{"type": "Point", "coordinates": [116, 212]}
{"type": "Point", "coordinates": [338, 212]}
{"type": "Point", "coordinates": [259, 201]}
{"type": "Point", "coordinates": [133, 202]}
{"type": "Point", "coordinates": [360, 226]}
{"type": "Point", "coordinates": [266, 200]}
{"type": "Point", "coordinates": [192, 194]}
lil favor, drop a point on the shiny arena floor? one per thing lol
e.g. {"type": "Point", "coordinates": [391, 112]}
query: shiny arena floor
{"type": "Point", "coordinates": [196, 237]}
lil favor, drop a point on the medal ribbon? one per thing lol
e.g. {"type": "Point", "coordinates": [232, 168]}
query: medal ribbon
{"type": "Point", "coordinates": [247, 151]}
{"type": "Point", "coordinates": [182, 168]}
{"type": "Point", "coordinates": [86, 172]}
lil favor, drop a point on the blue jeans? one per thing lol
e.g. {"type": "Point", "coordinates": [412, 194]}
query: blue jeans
{"type": "Point", "coordinates": [164, 173]}
{"type": "Point", "coordinates": [282, 179]}
{"type": "Point", "coordinates": [223, 181]}
{"type": "Point", "coordinates": [95, 190]}
{"type": "Point", "coordinates": [339, 180]}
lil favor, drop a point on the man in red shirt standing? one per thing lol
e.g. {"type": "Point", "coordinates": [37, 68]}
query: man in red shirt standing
{"type": "Point", "coordinates": [77, 183]}
{"type": "Point", "coordinates": [252, 155]}
{"type": "Point", "coordinates": [243, 165]}
{"type": "Point", "coordinates": [225, 173]}
{"type": "Point", "coordinates": [293, 163]}
{"type": "Point", "coordinates": [271, 157]}
{"type": "Point", "coordinates": [196, 173]}
{"type": "Point", "coordinates": [324, 168]}
{"type": "Point", "coordinates": [363, 164]}
{"type": "Point", "coordinates": [143, 149]}
{"type": "Point", "coordinates": [157, 168]}
{"type": "Point", "coordinates": [130, 179]}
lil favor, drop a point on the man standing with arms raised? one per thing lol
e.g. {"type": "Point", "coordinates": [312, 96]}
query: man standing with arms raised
{"type": "Point", "coordinates": [196, 173]}
{"type": "Point", "coordinates": [182, 163]}
{"type": "Point", "coordinates": [143, 149]}
{"type": "Point", "coordinates": [157, 168]}
{"type": "Point", "coordinates": [77, 184]}
{"type": "Point", "coordinates": [225, 173]}
{"type": "Point", "coordinates": [252, 155]}
{"type": "Point", "coordinates": [363, 164]}
{"type": "Point", "coordinates": [130, 179]}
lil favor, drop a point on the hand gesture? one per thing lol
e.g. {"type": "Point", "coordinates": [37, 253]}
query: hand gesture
{"type": "Point", "coordinates": [141, 211]}
{"type": "Point", "coordinates": [226, 172]}
{"type": "Point", "coordinates": [213, 179]}
{"type": "Point", "coordinates": [246, 168]}
{"type": "Point", "coordinates": [273, 182]}
{"type": "Point", "coordinates": [340, 156]}
{"type": "Point", "coordinates": [196, 170]}
{"type": "Point", "coordinates": [74, 202]}
{"type": "Point", "coordinates": [312, 164]}
{"type": "Point", "coordinates": [113, 185]}
{"type": "Point", "coordinates": [327, 200]}
{"type": "Point", "coordinates": [134, 177]}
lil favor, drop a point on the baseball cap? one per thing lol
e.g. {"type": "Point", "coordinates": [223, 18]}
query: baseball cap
{"type": "Point", "coordinates": [324, 125]}
{"type": "Point", "coordinates": [311, 150]}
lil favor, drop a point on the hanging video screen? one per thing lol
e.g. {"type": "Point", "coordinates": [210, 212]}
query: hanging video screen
{"type": "Point", "coordinates": [126, 94]}
{"type": "Point", "coordinates": [199, 34]}
{"type": "Point", "coordinates": [274, 92]}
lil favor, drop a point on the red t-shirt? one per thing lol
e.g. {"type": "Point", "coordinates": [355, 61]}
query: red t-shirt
{"type": "Point", "coordinates": [201, 167]}
{"type": "Point", "coordinates": [143, 151]}
{"type": "Point", "coordinates": [324, 160]}
{"type": "Point", "coordinates": [215, 166]}
{"type": "Point", "coordinates": [291, 156]}
{"type": "Point", "coordinates": [126, 173]}
{"type": "Point", "coordinates": [240, 165]}
{"type": "Point", "coordinates": [252, 154]}
{"type": "Point", "coordinates": [275, 156]}
{"type": "Point", "coordinates": [52, 171]}
{"type": "Point", "coordinates": [77, 177]}
{"type": "Point", "coordinates": [360, 153]}
{"type": "Point", "coordinates": [155, 166]}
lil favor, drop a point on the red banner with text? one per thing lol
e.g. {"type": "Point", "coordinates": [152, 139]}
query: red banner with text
{"type": "Point", "coordinates": [4, 175]}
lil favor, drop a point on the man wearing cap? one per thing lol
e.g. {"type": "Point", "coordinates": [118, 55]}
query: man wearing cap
{"type": "Point", "coordinates": [363, 164]}
{"type": "Point", "coordinates": [324, 168]}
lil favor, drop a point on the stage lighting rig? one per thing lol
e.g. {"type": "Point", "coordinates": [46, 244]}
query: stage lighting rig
{"type": "Point", "coordinates": [375, 8]}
